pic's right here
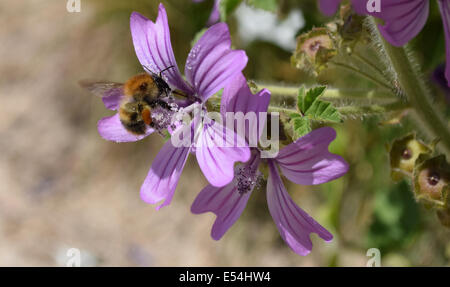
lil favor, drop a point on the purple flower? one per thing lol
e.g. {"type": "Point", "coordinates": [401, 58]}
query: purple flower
{"type": "Point", "coordinates": [214, 17]}
{"type": "Point", "coordinates": [210, 65]}
{"type": "Point", "coordinates": [403, 19]}
{"type": "Point", "coordinates": [329, 7]}
{"type": "Point", "coordinates": [307, 161]}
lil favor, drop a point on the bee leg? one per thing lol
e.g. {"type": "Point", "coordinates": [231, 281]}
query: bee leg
{"type": "Point", "coordinates": [159, 102]}
{"type": "Point", "coordinates": [164, 105]}
{"type": "Point", "coordinates": [152, 103]}
{"type": "Point", "coordinates": [167, 94]}
{"type": "Point", "coordinates": [192, 98]}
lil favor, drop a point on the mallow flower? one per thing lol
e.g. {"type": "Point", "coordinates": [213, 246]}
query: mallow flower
{"type": "Point", "coordinates": [403, 19]}
{"type": "Point", "coordinates": [210, 65]}
{"type": "Point", "coordinates": [306, 161]}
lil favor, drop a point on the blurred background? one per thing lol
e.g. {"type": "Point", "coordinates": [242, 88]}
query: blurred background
{"type": "Point", "coordinates": [62, 186]}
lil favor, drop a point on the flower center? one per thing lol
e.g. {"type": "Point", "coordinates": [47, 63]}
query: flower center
{"type": "Point", "coordinates": [314, 46]}
{"type": "Point", "coordinates": [406, 154]}
{"type": "Point", "coordinates": [247, 179]}
{"type": "Point", "coordinates": [433, 178]}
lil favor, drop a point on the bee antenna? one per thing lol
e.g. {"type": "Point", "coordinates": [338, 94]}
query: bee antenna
{"type": "Point", "coordinates": [147, 69]}
{"type": "Point", "coordinates": [170, 67]}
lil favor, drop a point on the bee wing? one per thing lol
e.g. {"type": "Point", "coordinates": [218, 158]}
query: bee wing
{"type": "Point", "coordinates": [100, 89]}
{"type": "Point", "coordinates": [111, 93]}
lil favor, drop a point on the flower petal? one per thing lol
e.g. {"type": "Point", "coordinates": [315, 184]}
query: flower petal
{"type": "Point", "coordinates": [217, 149]}
{"type": "Point", "coordinates": [153, 47]}
{"type": "Point", "coordinates": [308, 161]}
{"type": "Point", "coordinates": [404, 19]}
{"type": "Point", "coordinates": [226, 202]}
{"type": "Point", "coordinates": [110, 128]}
{"type": "Point", "coordinates": [211, 63]}
{"type": "Point", "coordinates": [294, 224]}
{"type": "Point", "coordinates": [444, 7]}
{"type": "Point", "coordinates": [214, 17]}
{"type": "Point", "coordinates": [237, 97]}
{"type": "Point", "coordinates": [162, 179]}
{"type": "Point", "coordinates": [112, 98]}
{"type": "Point", "coordinates": [329, 7]}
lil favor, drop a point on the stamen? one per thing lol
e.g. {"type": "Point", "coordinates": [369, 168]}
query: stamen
{"type": "Point", "coordinates": [247, 179]}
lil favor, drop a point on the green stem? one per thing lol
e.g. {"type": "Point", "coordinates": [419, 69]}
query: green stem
{"type": "Point", "coordinates": [418, 95]}
{"type": "Point", "coordinates": [330, 94]}
{"type": "Point", "coordinates": [368, 63]}
{"type": "Point", "coordinates": [372, 110]}
{"type": "Point", "coordinates": [355, 110]}
{"type": "Point", "coordinates": [365, 75]}
{"type": "Point", "coordinates": [289, 91]}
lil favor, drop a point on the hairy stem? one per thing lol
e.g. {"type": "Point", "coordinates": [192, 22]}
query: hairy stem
{"type": "Point", "coordinates": [418, 95]}
{"type": "Point", "coordinates": [330, 94]}
{"type": "Point", "coordinates": [361, 73]}
{"type": "Point", "coordinates": [368, 63]}
{"type": "Point", "coordinates": [355, 111]}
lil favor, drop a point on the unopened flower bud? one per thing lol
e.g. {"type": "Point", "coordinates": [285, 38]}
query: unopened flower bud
{"type": "Point", "coordinates": [351, 26]}
{"type": "Point", "coordinates": [403, 155]}
{"type": "Point", "coordinates": [431, 181]}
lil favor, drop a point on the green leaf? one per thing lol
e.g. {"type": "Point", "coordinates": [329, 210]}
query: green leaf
{"type": "Point", "coordinates": [321, 110]}
{"type": "Point", "coordinates": [307, 98]}
{"type": "Point", "coordinates": [309, 104]}
{"type": "Point", "coordinates": [301, 125]}
{"type": "Point", "coordinates": [226, 7]}
{"type": "Point", "coordinates": [268, 5]}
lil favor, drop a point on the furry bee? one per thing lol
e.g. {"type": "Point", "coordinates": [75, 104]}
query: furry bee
{"type": "Point", "coordinates": [139, 95]}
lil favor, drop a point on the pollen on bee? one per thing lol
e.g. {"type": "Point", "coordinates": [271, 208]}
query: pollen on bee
{"type": "Point", "coordinates": [162, 117]}
{"type": "Point", "coordinates": [146, 116]}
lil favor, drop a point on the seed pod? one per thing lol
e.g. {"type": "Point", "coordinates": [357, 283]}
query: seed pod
{"type": "Point", "coordinates": [431, 181]}
{"type": "Point", "coordinates": [314, 50]}
{"type": "Point", "coordinates": [403, 155]}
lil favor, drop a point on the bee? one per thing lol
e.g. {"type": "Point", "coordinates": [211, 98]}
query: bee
{"type": "Point", "coordinates": [139, 95]}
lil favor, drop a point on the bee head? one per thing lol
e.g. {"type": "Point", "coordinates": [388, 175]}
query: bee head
{"type": "Point", "coordinates": [161, 84]}
{"type": "Point", "coordinates": [163, 87]}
